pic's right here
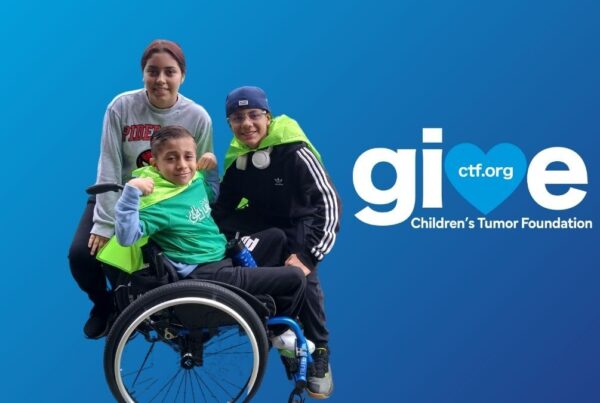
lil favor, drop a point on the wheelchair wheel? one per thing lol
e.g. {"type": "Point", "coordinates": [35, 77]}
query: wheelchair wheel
{"type": "Point", "coordinates": [187, 341]}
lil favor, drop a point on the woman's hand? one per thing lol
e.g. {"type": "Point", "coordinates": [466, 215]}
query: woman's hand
{"type": "Point", "coordinates": [96, 242]}
{"type": "Point", "coordinates": [145, 185]}
{"type": "Point", "coordinates": [206, 161]}
{"type": "Point", "coordinates": [293, 260]}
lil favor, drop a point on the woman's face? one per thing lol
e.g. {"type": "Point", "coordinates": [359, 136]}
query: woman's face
{"type": "Point", "coordinates": [162, 78]}
{"type": "Point", "coordinates": [250, 126]}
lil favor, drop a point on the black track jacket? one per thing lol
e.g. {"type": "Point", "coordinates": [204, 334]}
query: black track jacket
{"type": "Point", "coordinates": [293, 193]}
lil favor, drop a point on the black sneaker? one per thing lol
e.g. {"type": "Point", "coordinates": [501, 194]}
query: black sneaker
{"type": "Point", "coordinates": [320, 380]}
{"type": "Point", "coordinates": [97, 325]}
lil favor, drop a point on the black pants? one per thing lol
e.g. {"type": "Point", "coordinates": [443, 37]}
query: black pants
{"type": "Point", "coordinates": [86, 270]}
{"type": "Point", "coordinates": [312, 314]}
{"type": "Point", "coordinates": [285, 284]}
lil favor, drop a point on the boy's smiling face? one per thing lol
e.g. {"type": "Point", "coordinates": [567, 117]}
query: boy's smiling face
{"type": "Point", "coordinates": [176, 160]}
{"type": "Point", "coordinates": [250, 126]}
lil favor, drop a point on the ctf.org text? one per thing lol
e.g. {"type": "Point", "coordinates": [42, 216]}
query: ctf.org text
{"type": "Point", "coordinates": [478, 171]}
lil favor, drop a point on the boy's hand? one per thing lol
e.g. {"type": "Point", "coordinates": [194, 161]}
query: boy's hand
{"type": "Point", "coordinates": [145, 185]}
{"type": "Point", "coordinates": [95, 243]}
{"type": "Point", "coordinates": [293, 260]}
{"type": "Point", "coordinates": [206, 161]}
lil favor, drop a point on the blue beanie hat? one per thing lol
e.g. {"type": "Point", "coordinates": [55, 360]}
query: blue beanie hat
{"type": "Point", "coordinates": [246, 98]}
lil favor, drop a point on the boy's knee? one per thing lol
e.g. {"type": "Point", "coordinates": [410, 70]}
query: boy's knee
{"type": "Point", "coordinates": [275, 236]}
{"type": "Point", "coordinates": [296, 276]}
{"type": "Point", "coordinates": [279, 234]}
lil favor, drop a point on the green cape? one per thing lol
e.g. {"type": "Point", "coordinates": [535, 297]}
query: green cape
{"type": "Point", "coordinates": [129, 258]}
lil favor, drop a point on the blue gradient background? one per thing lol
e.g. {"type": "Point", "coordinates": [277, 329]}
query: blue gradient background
{"type": "Point", "coordinates": [415, 316]}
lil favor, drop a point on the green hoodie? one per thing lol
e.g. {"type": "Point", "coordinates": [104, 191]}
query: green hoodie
{"type": "Point", "coordinates": [282, 130]}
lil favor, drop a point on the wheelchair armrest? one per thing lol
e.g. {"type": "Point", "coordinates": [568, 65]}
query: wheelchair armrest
{"type": "Point", "coordinates": [103, 188]}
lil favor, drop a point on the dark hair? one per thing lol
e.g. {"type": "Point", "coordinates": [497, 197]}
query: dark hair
{"type": "Point", "coordinates": [164, 134]}
{"type": "Point", "coordinates": [163, 45]}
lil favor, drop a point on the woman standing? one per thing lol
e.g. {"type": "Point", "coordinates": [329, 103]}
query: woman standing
{"type": "Point", "coordinates": [129, 122]}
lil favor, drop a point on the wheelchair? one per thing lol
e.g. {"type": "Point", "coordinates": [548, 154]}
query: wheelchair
{"type": "Point", "coordinates": [190, 340]}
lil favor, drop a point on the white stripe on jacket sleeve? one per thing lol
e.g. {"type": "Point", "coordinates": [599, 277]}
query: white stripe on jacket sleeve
{"type": "Point", "coordinates": [329, 200]}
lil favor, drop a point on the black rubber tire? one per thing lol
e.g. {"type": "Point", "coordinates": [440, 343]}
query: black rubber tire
{"type": "Point", "coordinates": [174, 291]}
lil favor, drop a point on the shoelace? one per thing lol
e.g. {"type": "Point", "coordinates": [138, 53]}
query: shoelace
{"type": "Point", "coordinates": [320, 362]}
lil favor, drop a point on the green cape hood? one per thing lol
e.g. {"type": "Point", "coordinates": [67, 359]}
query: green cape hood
{"type": "Point", "coordinates": [282, 130]}
{"type": "Point", "coordinates": [163, 189]}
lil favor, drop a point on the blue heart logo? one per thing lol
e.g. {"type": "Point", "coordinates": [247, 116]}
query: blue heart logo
{"type": "Point", "coordinates": [485, 180]}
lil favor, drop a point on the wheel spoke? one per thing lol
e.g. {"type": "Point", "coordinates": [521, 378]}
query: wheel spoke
{"type": "Point", "coordinates": [208, 389]}
{"type": "Point", "coordinates": [226, 349]}
{"type": "Point", "coordinates": [189, 375]}
{"type": "Point", "coordinates": [218, 383]}
{"type": "Point", "coordinates": [199, 381]}
{"type": "Point", "coordinates": [179, 387]}
{"type": "Point", "coordinates": [169, 383]}
{"type": "Point", "coordinates": [143, 364]}
{"type": "Point", "coordinates": [231, 332]}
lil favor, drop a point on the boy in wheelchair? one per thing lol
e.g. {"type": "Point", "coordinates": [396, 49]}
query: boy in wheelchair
{"type": "Point", "coordinates": [168, 201]}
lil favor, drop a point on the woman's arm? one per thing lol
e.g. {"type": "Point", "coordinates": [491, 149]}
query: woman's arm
{"type": "Point", "coordinates": [109, 171]}
{"type": "Point", "coordinates": [204, 151]}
